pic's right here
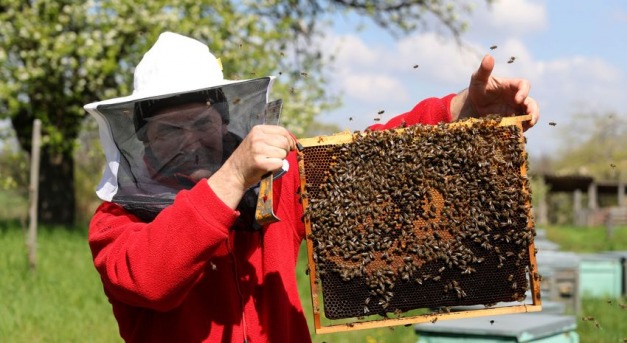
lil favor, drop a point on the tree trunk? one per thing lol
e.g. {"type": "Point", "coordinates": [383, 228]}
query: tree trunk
{"type": "Point", "coordinates": [57, 201]}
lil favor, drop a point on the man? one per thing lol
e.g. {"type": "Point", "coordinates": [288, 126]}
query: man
{"type": "Point", "coordinates": [188, 272]}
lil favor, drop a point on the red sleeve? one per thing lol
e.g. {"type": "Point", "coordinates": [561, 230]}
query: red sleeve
{"type": "Point", "coordinates": [155, 264]}
{"type": "Point", "coordinates": [430, 111]}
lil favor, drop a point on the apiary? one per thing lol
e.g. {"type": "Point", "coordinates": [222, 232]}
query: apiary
{"type": "Point", "coordinates": [404, 224]}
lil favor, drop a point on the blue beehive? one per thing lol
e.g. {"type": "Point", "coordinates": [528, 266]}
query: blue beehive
{"type": "Point", "coordinates": [622, 257]}
{"type": "Point", "coordinates": [560, 278]}
{"type": "Point", "coordinates": [519, 328]}
{"type": "Point", "coordinates": [600, 275]}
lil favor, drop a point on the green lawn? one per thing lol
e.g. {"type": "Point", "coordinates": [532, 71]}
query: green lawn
{"type": "Point", "coordinates": [62, 300]}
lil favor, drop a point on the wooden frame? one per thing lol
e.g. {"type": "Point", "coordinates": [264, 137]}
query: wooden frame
{"type": "Point", "coordinates": [533, 276]}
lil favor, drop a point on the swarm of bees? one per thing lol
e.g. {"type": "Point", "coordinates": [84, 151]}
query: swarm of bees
{"type": "Point", "coordinates": [425, 217]}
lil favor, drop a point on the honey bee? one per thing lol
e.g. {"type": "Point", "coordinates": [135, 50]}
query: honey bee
{"type": "Point", "coordinates": [493, 47]}
{"type": "Point", "coordinates": [511, 59]}
{"type": "Point", "coordinates": [415, 66]}
{"type": "Point", "coordinates": [552, 123]}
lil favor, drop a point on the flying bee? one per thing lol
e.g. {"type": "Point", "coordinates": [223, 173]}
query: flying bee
{"type": "Point", "coordinates": [493, 47]}
{"type": "Point", "coordinates": [552, 123]}
{"type": "Point", "coordinates": [511, 59]}
{"type": "Point", "coordinates": [303, 74]}
{"type": "Point", "coordinates": [380, 112]}
{"type": "Point", "coordinates": [415, 66]}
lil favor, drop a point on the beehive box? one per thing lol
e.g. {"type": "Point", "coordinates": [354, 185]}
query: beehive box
{"type": "Point", "coordinates": [403, 224]}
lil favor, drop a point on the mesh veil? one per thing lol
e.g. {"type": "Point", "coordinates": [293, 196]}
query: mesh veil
{"type": "Point", "coordinates": [132, 169]}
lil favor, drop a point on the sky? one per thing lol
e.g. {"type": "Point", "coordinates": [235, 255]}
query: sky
{"type": "Point", "coordinates": [573, 52]}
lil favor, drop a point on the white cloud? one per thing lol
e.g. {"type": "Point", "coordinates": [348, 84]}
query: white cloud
{"type": "Point", "coordinates": [509, 17]}
{"type": "Point", "coordinates": [518, 16]}
{"type": "Point", "coordinates": [373, 87]}
{"type": "Point", "coordinates": [351, 51]}
{"type": "Point", "coordinates": [439, 61]}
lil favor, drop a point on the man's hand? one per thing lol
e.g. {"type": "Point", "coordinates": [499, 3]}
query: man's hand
{"type": "Point", "coordinates": [262, 150]}
{"type": "Point", "coordinates": [487, 94]}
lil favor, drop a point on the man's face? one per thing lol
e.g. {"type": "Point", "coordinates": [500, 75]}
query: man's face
{"type": "Point", "coordinates": [185, 139]}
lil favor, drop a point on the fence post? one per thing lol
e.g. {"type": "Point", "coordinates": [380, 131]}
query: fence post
{"type": "Point", "coordinates": [33, 190]}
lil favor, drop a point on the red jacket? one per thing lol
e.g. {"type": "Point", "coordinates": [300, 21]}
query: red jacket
{"type": "Point", "coordinates": [185, 277]}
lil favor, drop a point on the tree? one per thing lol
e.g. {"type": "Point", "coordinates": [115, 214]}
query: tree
{"type": "Point", "coordinates": [59, 55]}
{"type": "Point", "coordinates": [595, 146]}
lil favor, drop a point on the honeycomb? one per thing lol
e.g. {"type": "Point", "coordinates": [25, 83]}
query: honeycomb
{"type": "Point", "coordinates": [424, 217]}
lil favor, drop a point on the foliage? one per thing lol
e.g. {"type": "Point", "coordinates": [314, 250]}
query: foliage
{"type": "Point", "coordinates": [601, 153]}
{"type": "Point", "coordinates": [14, 175]}
{"type": "Point", "coordinates": [59, 55]}
{"type": "Point", "coordinates": [89, 156]}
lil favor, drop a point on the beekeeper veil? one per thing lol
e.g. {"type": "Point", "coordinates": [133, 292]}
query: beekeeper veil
{"type": "Point", "coordinates": [179, 125]}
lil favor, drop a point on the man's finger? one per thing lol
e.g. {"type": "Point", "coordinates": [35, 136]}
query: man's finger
{"type": "Point", "coordinates": [485, 70]}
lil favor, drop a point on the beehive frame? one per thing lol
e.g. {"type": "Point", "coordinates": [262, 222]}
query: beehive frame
{"type": "Point", "coordinates": [370, 271]}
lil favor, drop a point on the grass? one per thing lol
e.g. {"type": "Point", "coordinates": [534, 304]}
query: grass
{"type": "Point", "coordinates": [602, 320]}
{"type": "Point", "coordinates": [587, 239]}
{"type": "Point", "coordinates": [62, 299]}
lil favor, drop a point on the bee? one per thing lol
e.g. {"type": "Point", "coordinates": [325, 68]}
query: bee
{"type": "Point", "coordinates": [377, 119]}
{"type": "Point", "coordinates": [552, 123]}
{"type": "Point", "coordinates": [434, 320]}
{"type": "Point", "coordinates": [380, 112]}
{"type": "Point", "coordinates": [511, 59]}
{"type": "Point", "coordinates": [612, 165]}
{"type": "Point", "coordinates": [491, 321]}
{"type": "Point", "coordinates": [493, 47]}
{"type": "Point", "coordinates": [350, 118]}
{"type": "Point", "coordinates": [415, 66]}
{"type": "Point", "coordinates": [303, 74]}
